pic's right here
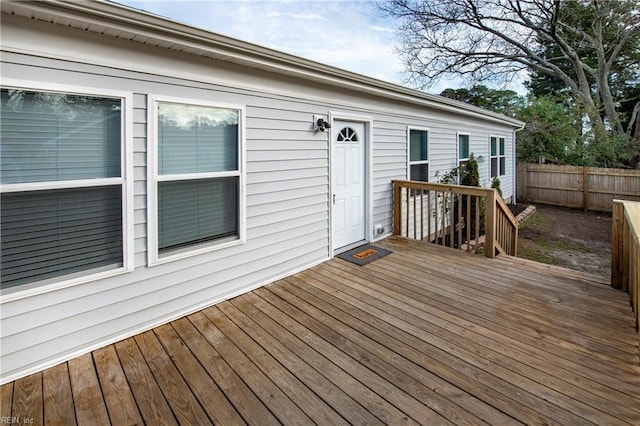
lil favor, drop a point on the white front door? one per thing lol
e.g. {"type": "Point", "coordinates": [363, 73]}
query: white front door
{"type": "Point", "coordinates": [349, 182]}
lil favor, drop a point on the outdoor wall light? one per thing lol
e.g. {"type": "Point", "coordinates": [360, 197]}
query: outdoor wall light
{"type": "Point", "coordinates": [320, 124]}
{"type": "Point", "coordinates": [480, 159]}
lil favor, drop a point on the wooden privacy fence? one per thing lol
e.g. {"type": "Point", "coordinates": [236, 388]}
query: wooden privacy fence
{"type": "Point", "coordinates": [625, 252]}
{"type": "Point", "coordinates": [454, 216]}
{"type": "Point", "coordinates": [588, 188]}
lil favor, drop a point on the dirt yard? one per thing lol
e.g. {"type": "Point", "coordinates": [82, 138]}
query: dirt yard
{"type": "Point", "coordinates": [570, 238]}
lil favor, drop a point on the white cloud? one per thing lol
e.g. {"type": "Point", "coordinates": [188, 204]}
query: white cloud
{"type": "Point", "coordinates": [346, 34]}
{"type": "Point", "coordinates": [311, 16]}
{"type": "Point", "coordinates": [383, 29]}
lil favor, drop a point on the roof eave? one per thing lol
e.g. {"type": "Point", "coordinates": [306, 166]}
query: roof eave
{"type": "Point", "coordinates": [237, 51]}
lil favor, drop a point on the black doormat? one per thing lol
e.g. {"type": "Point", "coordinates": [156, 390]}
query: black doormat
{"type": "Point", "coordinates": [364, 254]}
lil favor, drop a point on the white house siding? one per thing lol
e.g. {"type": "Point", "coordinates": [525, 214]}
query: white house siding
{"type": "Point", "coordinates": [287, 184]}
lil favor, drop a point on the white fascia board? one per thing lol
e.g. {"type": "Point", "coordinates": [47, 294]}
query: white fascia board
{"type": "Point", "coordinates": [184, 37]}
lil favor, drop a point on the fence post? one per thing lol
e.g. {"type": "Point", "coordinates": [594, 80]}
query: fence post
{"type": "Point", "coordinates": [522, 183]}
{"type": "Point", "coordinates": [490, 225]}
{"type": "Point", "coordinates": [585, 188]}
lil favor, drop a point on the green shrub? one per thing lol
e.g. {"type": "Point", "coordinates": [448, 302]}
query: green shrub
{"type": "Point", "coordinates": [495, 184]}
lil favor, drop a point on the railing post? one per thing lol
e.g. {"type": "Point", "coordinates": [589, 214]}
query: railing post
{"type": "Point", "coordinates": [515, 242]}
{"type": "Point", "coordinates": [397, 208]}
{"type": "Point", "coordinates": [626, 254]}
{"type": "Point", "coordinates": [617, 230]}
{"type": "Point", "coordinates": [490, 225]}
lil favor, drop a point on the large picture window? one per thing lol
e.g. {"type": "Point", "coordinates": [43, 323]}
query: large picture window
{"type": "Point", "coordinates": [419, 154]}
{"type": "Point", "coordinates": [197, 178]}
{"type": "Point", "coordinates": [498, 156]}
{"type": "Point", "coordinates": [63, 186]}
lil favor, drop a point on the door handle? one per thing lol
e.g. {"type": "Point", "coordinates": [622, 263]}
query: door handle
{"type": "Point", "coordinates": [334, 199]}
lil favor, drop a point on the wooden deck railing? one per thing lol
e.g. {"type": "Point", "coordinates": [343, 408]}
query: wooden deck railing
{"type": "Point", "coordinates": [454, 216]}
{"type": "Point", "coordinates": [625, 252]}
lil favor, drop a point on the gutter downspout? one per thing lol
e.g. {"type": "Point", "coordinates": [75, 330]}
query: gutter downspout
{"type": "Point", "coordinates": [513, 169]}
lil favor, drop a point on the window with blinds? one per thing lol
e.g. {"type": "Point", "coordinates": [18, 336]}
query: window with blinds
{"type": "Point", "coordinates": [61, 211]}
{"type": "Point", "coordinates": [198, 177]}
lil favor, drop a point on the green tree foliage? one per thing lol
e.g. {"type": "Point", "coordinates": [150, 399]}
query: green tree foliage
{"type": "Point", "coordinates": [550, 132]}
{"type": "Point", "coordinates": [502, 101]}
{"type": "Point", "coordinates": [624, 73]}
{"type": "Point", "coordinates": [495, 184]}
{"type": "Point", "coordinates": [618, 151]}
{"type": "Point", "coordinates": [590, 46]}
{"type": "Point", "coordinates": [469, 173]}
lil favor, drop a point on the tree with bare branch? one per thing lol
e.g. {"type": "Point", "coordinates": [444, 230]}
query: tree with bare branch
{"type": "Point", "coordinates": [495, 40]}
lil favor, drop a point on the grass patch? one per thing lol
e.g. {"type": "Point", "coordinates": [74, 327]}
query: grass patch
{"type": "Point", "coordinates": [538, 221]}
{"type": "Point", "coordinates": [528, 249]}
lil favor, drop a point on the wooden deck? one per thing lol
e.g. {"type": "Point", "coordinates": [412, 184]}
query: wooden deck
{"type": "Point", "coordinates": [425, 335]}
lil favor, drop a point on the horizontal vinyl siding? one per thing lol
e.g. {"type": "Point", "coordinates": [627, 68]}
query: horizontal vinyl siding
{"type": "Point", "coordinates": [140, 178]}
{"type": "Point", "coordinates": [389, 162]}
{"type": "Point", "coordinates": [287, 195]}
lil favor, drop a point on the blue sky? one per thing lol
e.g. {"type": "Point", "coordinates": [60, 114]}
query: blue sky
{"type": "Point", "coordinates": [352, 35]}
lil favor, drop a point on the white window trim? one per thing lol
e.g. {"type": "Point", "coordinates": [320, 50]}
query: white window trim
{"type": "Point", "coordinates": [126, 180]}
{"type": "Point", "coordinates": [413, 163]}
{"type": "Point", "coordinates": [500, 172]}
{"type": "Point", "coordinates": [153, 178]}
{"type": "Point", "coordinates": [458, 158]}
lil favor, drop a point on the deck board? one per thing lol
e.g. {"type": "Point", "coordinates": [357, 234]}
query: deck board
{"type": "Point", "coordinates": [121, 405]}
{"type": "Point", "coordinates": [57, 395]}
{"type": "Point", "coordinates": [27, 399]}
{"type": "Point", "coordinates": [425, 335]}
{"type": "Point", "coordinates": [88, 400]}
{"type": "Point", "coordinates": [152, 404]}
{"type": "Point", "coordinates": [6, 399]}
{"type": "Point", "coordinates": [181, 398]}
{"type": "Point", "coordinates": [243, 399]}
